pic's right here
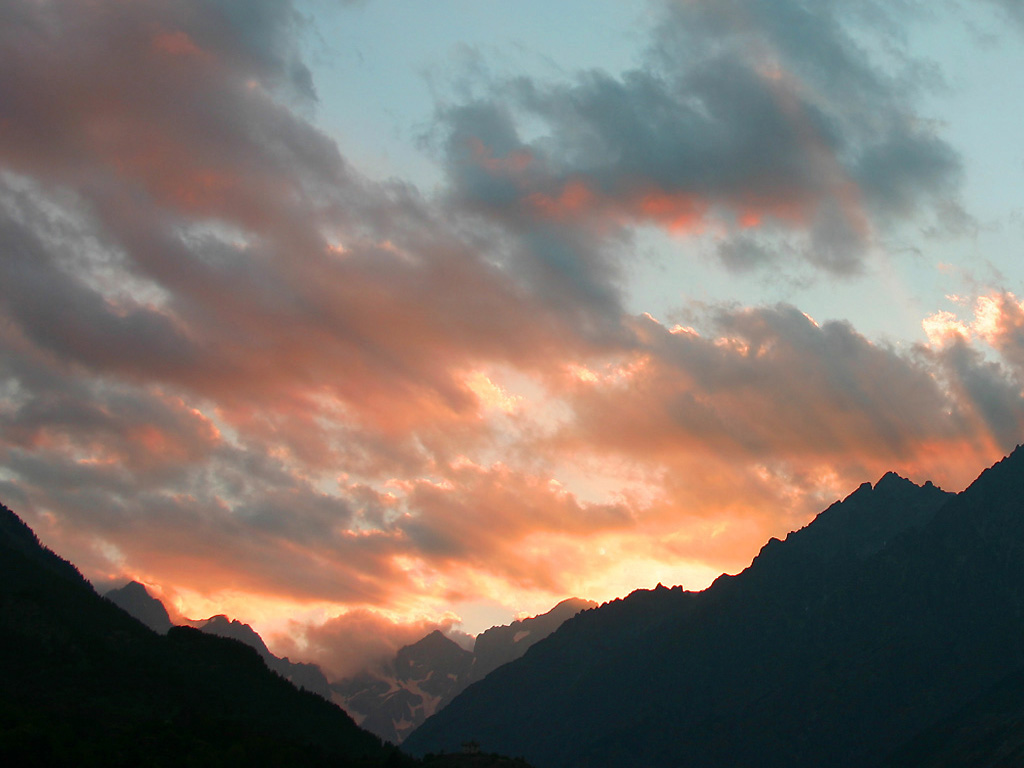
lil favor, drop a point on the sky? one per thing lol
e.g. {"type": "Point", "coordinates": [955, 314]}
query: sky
{"type": "Point", "coordinates": [352, 320]}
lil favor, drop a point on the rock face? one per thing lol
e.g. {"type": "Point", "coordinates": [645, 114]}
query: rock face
{"type": "Point", "coordinates": [136, 600]}
{"type": "Point", "coordinates": [894, 620]}
{"type": "Point", "coordinates": [425, 676]}
{"type": "Point", "coordinates": [422, 677]}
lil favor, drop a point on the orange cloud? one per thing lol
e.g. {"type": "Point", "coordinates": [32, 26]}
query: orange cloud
{"type": "Point", "coordinates": [232, 367]}
{"type": "Point", "coordinates": [779, 388]}
{"type": "Point", "coordinates": [574, 199]}
{"type": "Point", "coordinates": [679, 213]}
{"type": "Point", "coordinates": [355, 640]}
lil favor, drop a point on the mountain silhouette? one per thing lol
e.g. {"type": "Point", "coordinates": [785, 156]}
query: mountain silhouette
{"type": "Point", "coordinates": [424, 676]}
{"type": "Point", "coordinates": [134, 598]}
{"type": "Point", "coordinates": [850, 643]}
{"type": "Point", "coordinates": [305, 676]}
{"type": "Point", "coordinates": [83, 683]}
{"type": "Point", "coordinates": [500, 645]}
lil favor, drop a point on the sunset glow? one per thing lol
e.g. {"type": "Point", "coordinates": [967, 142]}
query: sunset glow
{"type": "Point", "coordinates": [537, 326]}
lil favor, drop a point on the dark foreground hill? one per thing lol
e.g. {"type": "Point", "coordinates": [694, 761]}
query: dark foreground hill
{"type": "Point", "coordinates": [135, 599]}
{"type": "Point", "coordinates": [82, 683]}
{"type": "Point", "coordinates": [885, 632]}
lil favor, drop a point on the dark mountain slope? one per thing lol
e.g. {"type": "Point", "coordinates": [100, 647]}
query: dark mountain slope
{"type": "Point", "coordinates": [500, 645]}
{"type": "Point", "coordinates": [308, 677]}
{"type": "Point", "coordinates": [137, 602]}
{"type": "Point", "coordinates": [83, 683]}
{"type": "Point", "coordinates": [891, 611]}
{"type": "Point", "coordinates": [987, 733]}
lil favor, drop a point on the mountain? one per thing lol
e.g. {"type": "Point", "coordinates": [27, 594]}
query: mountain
{"type": "Point", "coordinates": [302, 675]}
{"type": "Point", "coordinates": [428, 674]}
{"type": "Point", "coordinates": [83, 683]}
{"type": "Point", "coordinates": [391, 702]}
{"type": "Point", "coordinates": [988, 732]}
{"type": "Point", "coordinates": [136, 600]}
{"type": "Point", "coordinates": [850, 643]}
{"type": "Point", "coordinates": [498, 646]}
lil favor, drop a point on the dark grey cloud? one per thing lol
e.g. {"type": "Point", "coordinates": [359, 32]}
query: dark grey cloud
{"type": "Point", "coordinates": [1012, 8]}
{"type": "Point", "coordinates": [262, 37]}
{"type": "Point", "coordinates": [984, 389]}
{"type": "Point", "coordinates": [763, 117]}
{"type": "Point", "coordinates": [744, 252]}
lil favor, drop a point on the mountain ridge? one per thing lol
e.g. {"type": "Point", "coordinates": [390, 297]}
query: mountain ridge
{"type": "Point", "coordinates": [833, 647]}
{"type": "Point", "coordinates": [135, 599]}
{"type": "Point", "coordinates": [424, 676]}
{"type": "Point", "coordinates": [303, 675]}
{"type": "Point", "coordinates": [138, 603]}
{"type": "Point", "coordinates": [84, 683]}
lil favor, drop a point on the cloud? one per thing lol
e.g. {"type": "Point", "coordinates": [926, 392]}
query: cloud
{"type": "Point", "coordinates": [748, 122]}
{"type": "Point", "coordinates": [964, 351]}
{"type": "Point", "coordinates": [233, 254]}
{"type": "Point", "coordinates": [357, 640]}
{"type": "Point", "coordinates": [767, 416]}
{"type": "Point", "coordinates": [769, 382]}
{"type": "Point", "coordinates": [231, 365]}
{"type": "Point", "coordinates": [1011, 9]}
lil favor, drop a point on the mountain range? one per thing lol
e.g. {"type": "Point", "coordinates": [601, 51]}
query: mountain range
{"type": "Point", "coordinates": [423, 677]}
{"type": "Point", "coordinates": [887, 632]}
{"type": "Point", "coordinates": [392, 699]}
{"type": "Point", "coordinates": [83, 683]}
{"type": "Point", "coordinates": [136, 600]}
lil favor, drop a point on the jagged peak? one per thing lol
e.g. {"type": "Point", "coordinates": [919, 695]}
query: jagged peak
{"type": "Point", "coordinates": [888, 482]}
{"type": "Point", "coordinates": [435, 639]}
{"type": "Point", "coordinates": [133, 588]}
{"type": "Point", "coordinates": [1014, 461]}
{"type": "Point", "coordinates": [891, 479]}
{"type": "Point", "coordinates": [572, 602]}
{"type": "Point", "coordinates": [862, 489]}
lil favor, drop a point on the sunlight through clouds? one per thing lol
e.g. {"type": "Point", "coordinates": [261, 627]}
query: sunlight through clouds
{"type": "Point", "coordinates": [342, 327]}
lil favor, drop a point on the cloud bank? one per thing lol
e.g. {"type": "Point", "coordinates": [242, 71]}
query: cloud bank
{"type": "Point", "coordinates": [230, 362]}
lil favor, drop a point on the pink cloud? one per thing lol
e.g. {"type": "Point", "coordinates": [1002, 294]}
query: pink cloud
{"type": "Point", "coordinates": [230, 362]}
{"type": "Point", "coordinates": [354, 641]}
